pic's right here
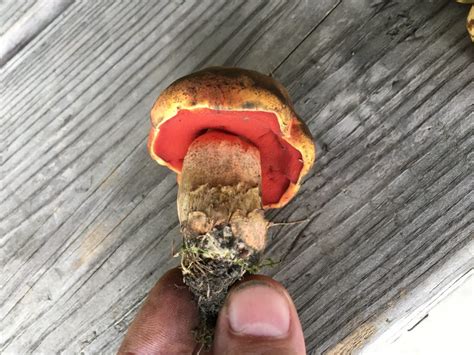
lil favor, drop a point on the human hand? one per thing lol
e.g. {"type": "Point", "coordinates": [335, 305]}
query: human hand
{"type": "Point", "coordinates": [258, 317]}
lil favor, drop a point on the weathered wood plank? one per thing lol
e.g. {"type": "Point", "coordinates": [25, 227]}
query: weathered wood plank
{"type": "Point", "coordinates": [21, 21]}
{"type": "Point", "coordinates": [392, 111]}
{"type": "Point", "coordinates": [87, 220]}
{"type": "Point", "coordinates": [413, 307]}
{"type": "Point", "coordinates": [10, 12]}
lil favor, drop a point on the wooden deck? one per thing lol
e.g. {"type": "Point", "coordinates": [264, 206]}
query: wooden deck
{"type": "Point", "coordinates": [88, 220]}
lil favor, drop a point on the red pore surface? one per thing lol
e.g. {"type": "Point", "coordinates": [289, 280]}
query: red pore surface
{"type": "Point", "coordinates": [281, 163]}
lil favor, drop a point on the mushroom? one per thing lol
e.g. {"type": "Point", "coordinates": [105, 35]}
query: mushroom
{"type": "Point", "coordinates": [238, 147]}
{"type": "Point", "coordinates": [470, 23]}
{"type": "Point", "coordinates": [470, 18]}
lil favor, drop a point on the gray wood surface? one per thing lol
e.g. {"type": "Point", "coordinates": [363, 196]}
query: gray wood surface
{"type": "Point", "coordinates": [21, 21]}
{"type": "Point", "coordinates": [11, 12]}
{"type": "Point", "coordinates": [397, 321]}
{"type": "Point", "coordinates": [87, 220]}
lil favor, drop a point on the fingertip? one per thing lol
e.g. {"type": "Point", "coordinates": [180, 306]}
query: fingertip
{"type": "Point", "coordinates": [165, 321]}
{"type": "Point", "coordinates": [259, 317]}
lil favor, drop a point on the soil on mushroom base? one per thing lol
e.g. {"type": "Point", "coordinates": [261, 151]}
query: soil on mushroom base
{"type": "Point", "coordinates": [211, 264]}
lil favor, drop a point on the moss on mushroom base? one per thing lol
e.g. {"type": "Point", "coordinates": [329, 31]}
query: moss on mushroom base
{"type": "Point", "coordinates": [211, 263]}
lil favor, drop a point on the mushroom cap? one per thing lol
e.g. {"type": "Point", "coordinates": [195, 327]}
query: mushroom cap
{"type": "Point", "coordinates": [242, 102]}
{"type": "Point", "coordinates": [470, 23]}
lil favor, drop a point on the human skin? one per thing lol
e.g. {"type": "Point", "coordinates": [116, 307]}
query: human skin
{"type": "Point", "coordinates": [258, 317]}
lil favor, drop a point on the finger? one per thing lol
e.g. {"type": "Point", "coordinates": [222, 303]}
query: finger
{"type": "Point", "coordinates": [259, 317]}
{"type": "Point", "coordinates": [166, 320]}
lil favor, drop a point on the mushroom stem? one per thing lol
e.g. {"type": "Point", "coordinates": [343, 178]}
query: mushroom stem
{"type": "Point", "coordinates": [221, 216]}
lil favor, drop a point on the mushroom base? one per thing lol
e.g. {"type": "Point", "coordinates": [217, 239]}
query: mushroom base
{"type": "Point", "coordinates": [211, 263]}
{"type": "Point", "coordinates": [220, 245]}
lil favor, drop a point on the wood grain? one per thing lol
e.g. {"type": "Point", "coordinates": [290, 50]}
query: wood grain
{"type": "Point", "coordinates": [22, 21]}
{"type": "Point", "coordinates": [415, 305]}
{"type": "Point", "coordinates": [87, 220]}
{"type": "Point", "coordinates": [10, 12]}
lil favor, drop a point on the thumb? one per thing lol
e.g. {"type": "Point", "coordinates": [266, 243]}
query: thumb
{"type": "Point", "coordinates": [258, 317]}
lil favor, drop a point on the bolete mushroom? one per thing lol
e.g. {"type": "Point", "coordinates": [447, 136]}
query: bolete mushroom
{"type": "Point", "coordinates": [470, 18]}
{"type": "Point", "coordinates": [470, 23]}
{"type": "Point", "coordinates": [238, 147]}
